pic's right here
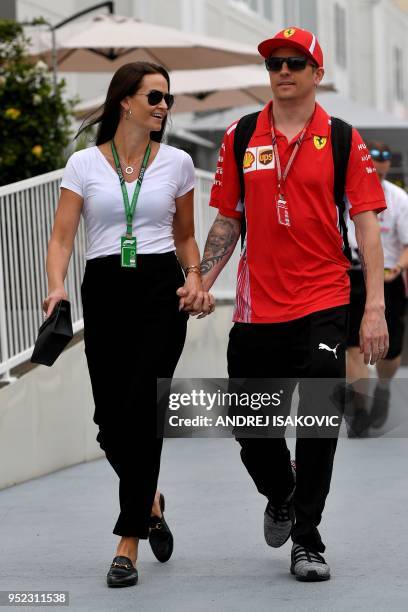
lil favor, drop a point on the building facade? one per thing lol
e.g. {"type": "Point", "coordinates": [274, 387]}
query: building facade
{"type": "Point", "coordinates": [365, 42]}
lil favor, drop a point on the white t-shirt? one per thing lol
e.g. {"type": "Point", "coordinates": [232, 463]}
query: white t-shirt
{"type": "Point", "coordinates": [89, 174]}
{"type": "Point", "coordinates": [393, 224]}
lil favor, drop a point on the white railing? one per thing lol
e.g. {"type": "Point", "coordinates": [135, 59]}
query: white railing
{"type": "Point", "coordinates": [27, 211]}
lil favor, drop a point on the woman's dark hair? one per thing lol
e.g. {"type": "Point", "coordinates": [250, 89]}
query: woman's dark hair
{"type": "Point", "coordinates": [125, 82]}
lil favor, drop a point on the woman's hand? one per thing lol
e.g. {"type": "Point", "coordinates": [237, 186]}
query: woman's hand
{"type": "Point", "coordinates": [392, 273]}
{"type": "Point", "coordinates": [52, 299]}
{"type": "Point", "coordinates": [193, 298]}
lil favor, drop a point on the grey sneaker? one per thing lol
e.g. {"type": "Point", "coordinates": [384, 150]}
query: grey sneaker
{"type": "Point", "coordinates": [279, 520]}
{"type": "Point", "coordinates": [307, 565]}
{"type": "Point", "coordinates": [380, 407]}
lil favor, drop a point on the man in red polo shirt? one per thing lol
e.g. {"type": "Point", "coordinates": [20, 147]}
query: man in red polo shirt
{"type": "Point", "coordinates": [292, 296]}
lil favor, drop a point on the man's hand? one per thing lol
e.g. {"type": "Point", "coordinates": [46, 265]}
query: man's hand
{"type": "Point", "coordinates": [193, 299]}
{"type": "Point", "coordinates": [374, 340]}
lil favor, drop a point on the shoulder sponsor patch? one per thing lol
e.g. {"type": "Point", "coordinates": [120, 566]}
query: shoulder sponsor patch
{"type": "Point", "coordinates": [319, 142]}
{"type": "Point", "coordinates": [258, 158]}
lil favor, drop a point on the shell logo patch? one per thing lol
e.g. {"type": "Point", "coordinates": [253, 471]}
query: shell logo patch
{"type": "Point", "coordinates": [289, 32]}
{"type": "Point", "coordinates": [249, 159]}
{"type": "Point", "coordinates": [319, 142]}
{"type": "Point", "coordinates": [266, 157]}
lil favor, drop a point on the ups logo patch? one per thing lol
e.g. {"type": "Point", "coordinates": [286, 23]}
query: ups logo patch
{"type": "Point", "coordinates": [266, 157]}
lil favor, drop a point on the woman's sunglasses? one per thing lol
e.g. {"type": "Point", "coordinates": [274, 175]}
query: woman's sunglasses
{"type": "Point", "coordinates": [378, 155]}
{"type": "Point", "coordinates": [295, 64]}
{"type": "Point", "coordinates": [155, 96]}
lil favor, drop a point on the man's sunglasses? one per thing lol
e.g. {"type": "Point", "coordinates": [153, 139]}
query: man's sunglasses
{"type": "Point", "coordinates": [295, 64]}
{"type": "Point", "coordinates": [155, 96]}
{"type": "Point", "coordinates": [378, 155]}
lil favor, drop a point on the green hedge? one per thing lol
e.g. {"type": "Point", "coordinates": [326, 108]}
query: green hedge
{"type": "Point", "coordinates": [34, 122]}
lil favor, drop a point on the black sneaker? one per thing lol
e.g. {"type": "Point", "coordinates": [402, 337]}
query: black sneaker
{"type": "Point", "coordinates": [122, 573]}
{"type": "Point", "coordinates": [380, 407]}
{"type": "Point", "coordinates": [279, 520]}
{"type": "Point", "coordinates": [308, 565]}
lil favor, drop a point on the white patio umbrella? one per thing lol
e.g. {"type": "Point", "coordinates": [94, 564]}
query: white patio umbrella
{"type": "Point", "coordinates": [212, 89]}
{"type": "Point", "coordinates": [105, 42]}
{"type": "Point", "coordinates": [205, 90]}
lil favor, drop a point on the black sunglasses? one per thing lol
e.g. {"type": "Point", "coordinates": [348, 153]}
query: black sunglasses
{"type": "Point", "coordinates": [155, 96]}
{"type": "Point", "coordinates": [295, 64]}
{"type": "Point", "coordinates": [378, 155]}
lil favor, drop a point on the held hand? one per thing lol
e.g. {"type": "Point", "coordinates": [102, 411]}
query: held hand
{"type": "Point", "coordinates": [52, 299]}
{"type": "Point", "coordinates": [193, 299]}
{"type": "Point", "coordinates": [210, 303]}
{"type": "Point", "coordinates": [191, 294]}
{"type": "Point", "coordinates": [374, 339]}
{"type": "Point", "coordinates": [391, 274]}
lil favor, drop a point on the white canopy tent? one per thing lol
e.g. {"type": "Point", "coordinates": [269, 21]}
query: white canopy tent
{"type": "Point", "coordinates": [211, 89]}
{"type": "Point", "coordinates": [362, 117]}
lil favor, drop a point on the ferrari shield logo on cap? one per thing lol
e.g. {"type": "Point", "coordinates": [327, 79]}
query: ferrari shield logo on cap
{"type": "Point", "coordinates": [289, 32]}
{"type": "Point", "coordinates": [319, 142]}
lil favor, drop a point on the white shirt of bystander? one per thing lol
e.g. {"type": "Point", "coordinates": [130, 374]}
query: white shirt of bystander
{"type": "Point", "coordinates": [393, 224]}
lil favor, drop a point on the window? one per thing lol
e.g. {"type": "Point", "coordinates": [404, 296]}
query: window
{"type": "Point", "coordinates": [398, 74]}
{"type": "Point", "coordinates": [267, 9]}
{"type": "Point", "coordinates": [291, 12]}
{"type": "Point", "coordinates": [308, 15]}
{"type": "Point", "coordinates": [302, 13]}
{"type": "Point", "coordinates": [264, 8]}
{"type": "Point", "coordinates": [340, 35]}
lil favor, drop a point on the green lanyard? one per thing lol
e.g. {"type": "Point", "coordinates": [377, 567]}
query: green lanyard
{"type": "Point", "coordinates": [130, 208]}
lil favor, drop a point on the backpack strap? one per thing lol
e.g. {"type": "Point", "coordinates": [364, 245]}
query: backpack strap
{"type": "Point", "coordinates": [243, 132]}
{"type": "Point", "coordinates": [341, 135]}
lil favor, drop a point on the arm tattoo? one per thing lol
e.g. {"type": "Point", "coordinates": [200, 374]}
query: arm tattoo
{"type": "Point", "coordinates": [223, 235]}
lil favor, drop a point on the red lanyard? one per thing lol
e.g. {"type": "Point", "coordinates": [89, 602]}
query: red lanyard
{"type": "Point", "coordinates": [282, 178]}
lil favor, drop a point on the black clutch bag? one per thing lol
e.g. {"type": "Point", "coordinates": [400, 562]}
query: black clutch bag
{"type": "Point", "coordinates": [53, 335]}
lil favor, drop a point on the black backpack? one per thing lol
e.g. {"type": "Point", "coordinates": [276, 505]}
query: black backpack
{"type": "Point", "coordinates": [341, 133]}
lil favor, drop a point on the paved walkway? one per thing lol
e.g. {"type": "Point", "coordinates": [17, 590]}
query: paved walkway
{"type": "Point", "coordinates": [56, 531]}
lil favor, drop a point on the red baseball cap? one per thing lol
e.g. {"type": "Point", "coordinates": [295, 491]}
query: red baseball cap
{"type": "Point", "coordinates": [294, 37]}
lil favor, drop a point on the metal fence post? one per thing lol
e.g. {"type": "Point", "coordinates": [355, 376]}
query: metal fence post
{"type": "Point", "coordinates": [5, 376]}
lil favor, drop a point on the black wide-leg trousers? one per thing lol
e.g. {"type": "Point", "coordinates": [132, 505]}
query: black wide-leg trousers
{"type": "Point", "coordinates": [291, 352]}
{"type": "Point", "coordinates": [134, 334]}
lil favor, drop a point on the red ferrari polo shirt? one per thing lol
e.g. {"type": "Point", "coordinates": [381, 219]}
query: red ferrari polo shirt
{"type": "Point", "coordinates": [289, 271]}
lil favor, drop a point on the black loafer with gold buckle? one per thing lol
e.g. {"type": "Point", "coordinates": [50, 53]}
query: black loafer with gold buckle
{"type": "Point", "coordinates": [160, 536]}
{"type": "Point", "coordinates": [122, 573]}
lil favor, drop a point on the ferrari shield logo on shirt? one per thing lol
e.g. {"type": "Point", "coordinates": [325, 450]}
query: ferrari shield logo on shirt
{"type": "Point", "coordinates": [289, 32]}
{"type": "Point", "coordinates": [319, 142]}
{"type": "Point", "coordinates": [258, 158]}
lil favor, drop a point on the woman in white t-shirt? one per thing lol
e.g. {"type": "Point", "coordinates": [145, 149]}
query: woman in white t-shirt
{"type": "Point", "coordinates": [134, 330]}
